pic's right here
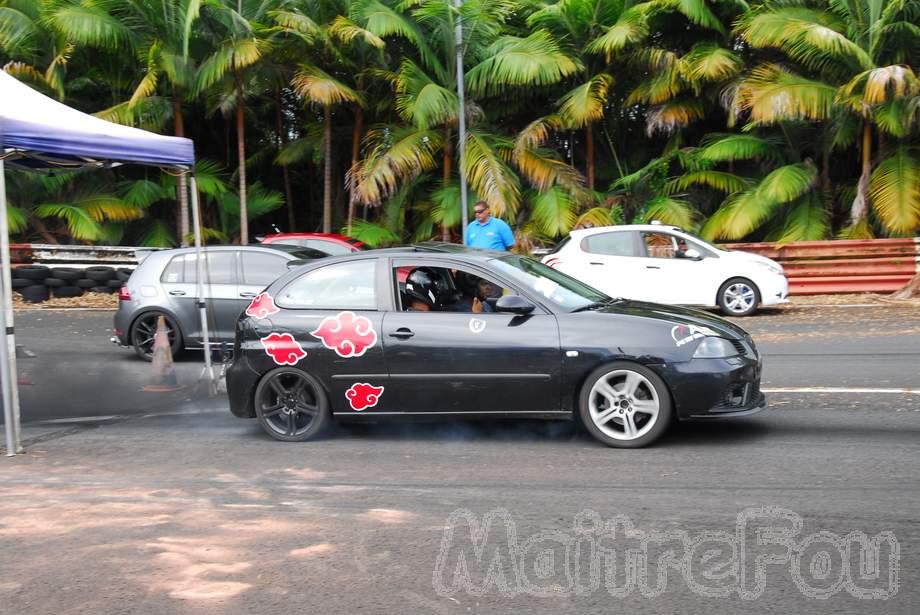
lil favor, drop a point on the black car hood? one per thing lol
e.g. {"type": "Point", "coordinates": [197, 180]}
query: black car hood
{"type": "Point", "coordinates": [676, 315]}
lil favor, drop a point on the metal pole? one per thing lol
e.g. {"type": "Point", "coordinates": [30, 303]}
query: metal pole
{"type": "Point", "coordinates": [199, 265]}
{"type": "Point", "coordinates": [8, 379]}
{"type": "Point", "coordinates": [464, 214]}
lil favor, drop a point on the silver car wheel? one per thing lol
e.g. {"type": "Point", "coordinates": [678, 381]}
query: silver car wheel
{"type": "Point", "coordinates": [624, 404]}
{"type": "Point", "coordinates": [739, 297]}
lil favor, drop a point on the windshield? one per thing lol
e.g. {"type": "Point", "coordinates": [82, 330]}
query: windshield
{"type": "Point", "coordinates": [568, 294]}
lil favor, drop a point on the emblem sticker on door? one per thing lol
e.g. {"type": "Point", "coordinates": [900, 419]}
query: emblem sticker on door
{"type": "Point", "coordinates": [348, 334]}
{"type": "Point", "coordinates": [283, 348]}
{"type": "Point", "coordinates": [262, 306]}
{"type": "Point", "coordinates": [477, 325]}
{"type": "Point", "coordinates": [363, 395]}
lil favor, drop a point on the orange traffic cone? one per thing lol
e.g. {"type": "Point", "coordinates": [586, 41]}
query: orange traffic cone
{"type": "Point", "coordinates": [164, 374]}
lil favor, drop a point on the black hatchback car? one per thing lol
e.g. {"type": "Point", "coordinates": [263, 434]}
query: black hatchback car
{"type": "Point", "coordinates": [438, 330]}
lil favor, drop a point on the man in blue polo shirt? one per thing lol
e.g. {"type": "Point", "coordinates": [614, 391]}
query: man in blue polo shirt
{"type": "Point", "coordinates": [486, 232]}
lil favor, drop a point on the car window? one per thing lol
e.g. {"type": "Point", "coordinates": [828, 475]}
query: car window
{"type": "Point", "coordinates": [341, 286]}
{"type": "Point", "coordinates": [611, 244]}
{"type": "Point", "coordinates": [554, 286]}
{"type": "Point", "coordinates": [660, 245]}
{"type": "Point", "coordinates": [260, 269]}
{"type": "Point", "coordinates": [451, 289]}
{"type": "Point", "coordinates": [219, 269]}
{"type": "Point", "coordinates": [329, 247]}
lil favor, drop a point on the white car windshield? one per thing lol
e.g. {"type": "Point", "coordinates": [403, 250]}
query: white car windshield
{"type": "Point", "coordinates": [555, 287]}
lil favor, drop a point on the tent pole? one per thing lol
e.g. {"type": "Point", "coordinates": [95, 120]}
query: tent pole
{"type": "Point", "coordinates": [202, 306]}
{"type": "Point", "coordinates": [8, 379]}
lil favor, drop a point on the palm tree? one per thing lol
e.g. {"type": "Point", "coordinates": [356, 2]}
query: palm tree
{"type": "Point", "coordinates": [159, 34]}
{"type": "Point", "coordinates": [847, 63]}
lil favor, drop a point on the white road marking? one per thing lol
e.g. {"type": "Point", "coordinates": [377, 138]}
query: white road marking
{"type": "Point", "coordinates": [895, 391]}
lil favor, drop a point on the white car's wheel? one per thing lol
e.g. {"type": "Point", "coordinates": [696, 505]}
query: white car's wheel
{"type": "Point", "coordinates": [625, 405]}
{"type": "Point", "coordinates": [738, 297]}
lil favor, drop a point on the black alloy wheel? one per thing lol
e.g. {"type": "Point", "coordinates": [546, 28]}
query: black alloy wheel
{"type": "Point", "coordinates": [291, 405]}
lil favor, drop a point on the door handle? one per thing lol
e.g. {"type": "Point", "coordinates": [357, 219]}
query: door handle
{"type": "Point", "coordinates": [595, 263]}
{"type": "Point", "coordinates": [402, 333]}
{"type": "Point", "coordinates": [177, 293]}
{"type": "Point", "coordinates": [248, 294]}
{"type": "Point", "coordinates": [652, 267]}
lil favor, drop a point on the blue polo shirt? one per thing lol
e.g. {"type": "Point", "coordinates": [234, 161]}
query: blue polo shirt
{"type": "Point", "coordinates": [493, 235]}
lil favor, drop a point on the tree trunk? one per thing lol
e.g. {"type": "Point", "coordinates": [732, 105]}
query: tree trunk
{"type": "Point", "coordinates": [327, 175]}
{"type": "Point", "coordinates": [448, 169]}
{"type": "Point", "coordinates": [288, 195]}
{"type": "Point", "coordinates": [589, 143]}
{"type": "Point", "coordinates": [860, 207]}
{"type": "Point", "coordinates": [182, 219]}
{"type": "Point", "coordinates": [355, 153]}
{"type": "Point", "coordinates": [241, 151]}
{"type": "Point", "coordinates": [39, 225]}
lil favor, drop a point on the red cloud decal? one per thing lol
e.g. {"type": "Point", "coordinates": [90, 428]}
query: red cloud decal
{"type": "Point", "coordinates": [283, 348]}
{"type": "Point", "coordinates": [347, 334]}
{"type": "Point", "coordinates": [262, 306]}
{"type": "Point", "coordinates": [362, 395]}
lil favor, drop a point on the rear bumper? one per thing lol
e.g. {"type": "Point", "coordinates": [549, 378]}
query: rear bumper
{"type": "Point", "coordinates": [714, 388]}
{"type": "Point", "coordinates": [241, 386]}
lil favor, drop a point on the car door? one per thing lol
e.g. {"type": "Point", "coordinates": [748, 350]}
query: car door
{"type": "Point", "coordinates": [611, 263]}
{"type": "Point", "coordinates": [331, 316]}
{"type": "Point", "coordinates": [180, 282]}
{"type": "Point", "coordinates": [672, 277]}
{"type": "Point", "coordinates": [257, 270]}
{"type": "Point", "coordinates": [443, 362]}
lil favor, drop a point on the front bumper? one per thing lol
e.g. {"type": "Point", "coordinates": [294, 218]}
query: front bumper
{"type": "Point", "coordinates": [712, 388]}
{"type": "Point", "coordinates": [774, 290]}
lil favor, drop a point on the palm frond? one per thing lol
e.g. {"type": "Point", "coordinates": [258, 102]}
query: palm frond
{"type": "Point", "coordinates": [392, 157]}
{"type": "Point", "coordinates": [553, 211]}
{"type": "Point", "coordinates": [697, 11]}
{"type": "Point", "coordinates": [158, 234]}
{"type": "Point", "coordinates": [671, 211]}
{"type": "Point", "coordinates": [596, 216]}
{"type": "Point", "coordinates": [787, 183]}
{"type": "Point", "coordinates": [209, 176]}
{"type": "Point", "coordinates": [371, 233]}
{"type": "Point", "coordinates": [772, 94]}
{"type": "Point", "coordinates": [883, 84]}
{"type": "Point", "coordinates": [631, 28]}
{"type": "Point", "coordinates": [346, 31]}
{"type": "Point", "coordinates": [297, 23]}
{"type": "Point", "coordinates": [667, 118]}
{"type": "Point", "coordinates": [489, 174]}
{"type": "Point", "coordinates": [17, 219]}
{"type": "Point", "coordinates": [143, 193]}
{"type": "Point", "coordinates": [447, 209]}
{"type": "Point", "coordinates": [16, 30]}
{"type": "Point", "coordinates": [662, 86]}
{"type": "Point", "coordinates": [382, 21]}
{"type": "Point", "coordinates": [103, 207]}
{"type": "Point", "coordinates": [259, 201]}
{"type": "Point", "coordinates": [544, 170]}
{"type": "Point", "coordinates": [708, 62]}
{"type": "Point", "coordinates": [806, 221]}
{"type": "Point", "coordinates": [534, 61]}
{"type": "Point", "coordinates": [538, 131]}
{"type": "Point", "coordinates": [729, 183]}
{"type": "Point", "coordinates": [585, 104]}
{"type": "Point", "coordinates": [734, 147]}
{"type": "Point", "coordinates": [316, 85]}
{"type": "Point", "coordinates": [895, 191]}
{"type": "Point", "coordinates": [89, 24]}
{"type": "Point", "coordinates": [422, 101]}
{"type": "Point", "coordinates": [233, 55]}
{"type": "Point", "coordinates": [80, 224]}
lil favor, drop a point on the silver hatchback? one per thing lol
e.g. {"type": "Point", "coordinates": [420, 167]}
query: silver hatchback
{"type": "Point", "coordinates": [166, 284]}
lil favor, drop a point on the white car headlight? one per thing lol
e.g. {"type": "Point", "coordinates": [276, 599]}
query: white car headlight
{"type": "Point", "coordinates": [771, 267]}
{"type": "Point", "coordinates": [715, 348]}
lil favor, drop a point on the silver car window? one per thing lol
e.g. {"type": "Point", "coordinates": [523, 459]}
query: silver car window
{"type": "Point", "coordinates": [219, 269]}
{"type": "Point", "coordinates": [261, 269]}
{"type": "Point", "coordinates": [340, 286]}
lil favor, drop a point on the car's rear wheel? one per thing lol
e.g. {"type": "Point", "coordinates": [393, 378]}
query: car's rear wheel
{"type": "Point", "coordinates": [291, 405]}
{"type": "Point", "coordinates": [143, 333]}
{"type": "Point", "coordinates": [738, 297]}
{"type": "Point", "coordinates": [625, 405]}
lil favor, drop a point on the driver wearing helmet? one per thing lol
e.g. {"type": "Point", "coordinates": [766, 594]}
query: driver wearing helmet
{"type": "Point", "coordinates": [421, 290]}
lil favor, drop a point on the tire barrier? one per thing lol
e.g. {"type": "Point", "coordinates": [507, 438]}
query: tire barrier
{"type": "Point", "coordinates": [37, 283]}
{"type": "Point", "coordinates": [843, 266]}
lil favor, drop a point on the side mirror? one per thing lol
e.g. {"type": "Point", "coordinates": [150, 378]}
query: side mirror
{"type": "Point", "coordinates": [693, 254]}
{"type": "Point", "coordinates": [514, 304]}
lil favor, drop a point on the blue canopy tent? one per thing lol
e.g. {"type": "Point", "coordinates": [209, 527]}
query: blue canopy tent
{"type": "Point", "coordinates": [38, 132]}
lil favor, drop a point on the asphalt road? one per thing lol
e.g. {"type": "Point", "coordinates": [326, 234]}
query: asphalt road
{"type": "Point", "coordinates": [194, 511]}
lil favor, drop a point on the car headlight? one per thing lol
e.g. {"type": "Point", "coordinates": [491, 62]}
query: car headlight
{"type": "Point", "coordinates": [771, 267]}
{"type": "Point", "coordinates": [715, 348]}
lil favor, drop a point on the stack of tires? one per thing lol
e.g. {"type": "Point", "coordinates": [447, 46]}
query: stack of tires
{"type": "Point", "coordinates": [37, 283]}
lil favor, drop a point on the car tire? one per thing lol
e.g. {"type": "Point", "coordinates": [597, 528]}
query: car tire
{"type": "Point", "coordinates": [738, 297]}
{"type": "Point", "coordinates": [301, 416]}
{"type": "Point", "coordinates": [115, 284]}
{"type": "Point", "coordinates": [140, 335]}
{"type": "Point", "coordinates": [68, 274]}
{"type": "Point", "coordinates": [20, 283]}
{"type": "Point", "coordinates": [625, 405]}
{"type": "Point", "coordinates": [123, 274]}
{"type": "Point", "coordinates": [100, 289]}
{"type": "Point", "coordinates": [100, 274]}
{"type": "Point", "coordinates": [85, 284]}
{"type": "Point", "coordinates": [68, 291]}
{"type": "Point", "coordinates": [32, 272]}
{"type": "Point", "coordinates": [54, 283]}
{"type": "Point", "coordinates": [35, 293]}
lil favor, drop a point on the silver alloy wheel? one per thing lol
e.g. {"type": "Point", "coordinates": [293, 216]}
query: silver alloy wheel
{"type": "Point", "coordinates": [624, 404]}
{"type": "Point", "coordinates": [144, 330]}
{"type": "Point", "coordinates": [739, 297]}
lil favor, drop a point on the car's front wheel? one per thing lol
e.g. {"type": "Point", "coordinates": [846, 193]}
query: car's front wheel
{"type": "Point", "coordinates": [291, 405]}
{"type": "Point", "coordinates": [738, 297]}
{"type": "Point", "coordinates": [625, 405]}
{"type": "Point", "coordinates": [144, 330]}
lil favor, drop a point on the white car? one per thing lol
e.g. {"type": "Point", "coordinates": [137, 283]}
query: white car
{"type": "Point", "coordinates": [664, 264]}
